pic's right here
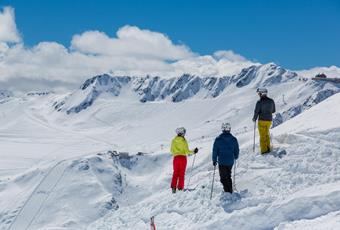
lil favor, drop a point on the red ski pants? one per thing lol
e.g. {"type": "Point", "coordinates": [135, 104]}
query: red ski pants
{"type": "Point", "coordinates": [179, 165]}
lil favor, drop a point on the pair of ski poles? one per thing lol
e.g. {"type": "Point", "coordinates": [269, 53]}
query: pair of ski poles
{"type": "Point", "coordinates": [192, 168]}
{"type": "Point", "coordinates": [234, 180]}
{"type": "Point", "coordinates": [212, 184]}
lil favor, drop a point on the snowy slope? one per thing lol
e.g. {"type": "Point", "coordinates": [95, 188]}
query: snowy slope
{"type": "Point", "coordinates": [47, 156]}
{"type": "Point", "coordinates": [315, 120]}
{"type": "Point", "coordinates": [302, 187]}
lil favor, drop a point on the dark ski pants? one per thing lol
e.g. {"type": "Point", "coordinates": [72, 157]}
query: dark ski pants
{"type": "Point", "coordinates": [179, 164]}
{"type": "Point", "coordinates": [225, 177]}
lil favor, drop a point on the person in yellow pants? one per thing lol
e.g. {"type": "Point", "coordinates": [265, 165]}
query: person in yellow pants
{"type": "Point", "coordinates": [264, 109]}
{"type": "Point", "coordinates": [264, 127]}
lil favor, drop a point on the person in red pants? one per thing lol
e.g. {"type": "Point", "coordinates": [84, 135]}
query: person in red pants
{"type": "Point", "coordinates": [179, 150]}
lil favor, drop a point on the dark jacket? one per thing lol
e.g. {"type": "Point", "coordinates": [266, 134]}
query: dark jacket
{"type": "Point", "coordinates": [265, 107]}
{"type": "Point", "coordinates": [225, 149]}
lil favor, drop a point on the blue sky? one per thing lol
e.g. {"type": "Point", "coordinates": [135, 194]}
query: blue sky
{"type": "Point", "coordinates": [295, 34]}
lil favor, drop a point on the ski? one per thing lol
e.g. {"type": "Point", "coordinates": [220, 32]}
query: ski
{"type": "Point", "coordinates": [190, 189]}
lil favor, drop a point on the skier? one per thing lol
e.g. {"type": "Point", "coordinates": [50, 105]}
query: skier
{"type": "Point", "coordinates": [225, 152]}
{"type": "Point", "coordinates": [180, 150]}
{"type": "Point", "coordinates": [264, 109]}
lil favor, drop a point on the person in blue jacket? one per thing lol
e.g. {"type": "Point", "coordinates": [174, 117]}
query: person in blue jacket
{"type": "Point", "coordinates": [225, 153]}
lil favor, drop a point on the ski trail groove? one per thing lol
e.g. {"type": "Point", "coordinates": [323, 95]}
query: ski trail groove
{"type": "Point", "coordinates": [35, 201]}
{"type": "Point", "coordinates": [33, 205]}
{"type": "Point", "coordinates": [32, 118]}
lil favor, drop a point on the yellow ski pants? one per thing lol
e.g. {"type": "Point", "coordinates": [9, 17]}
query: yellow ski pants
{"type": "Point", "coordinates": [264, 127]}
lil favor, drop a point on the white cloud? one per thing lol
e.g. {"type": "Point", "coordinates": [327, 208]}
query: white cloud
{"type": "Point", "coordinates": [8, 29]}
{"type": "Point", "coordinates": [229, 55]}
{"type": "Point", "coordinates": [133, 51]}
{"type": "Point", "coordinates": [211, 66]}
{"type": "Point", "coordinates": [131, 41]}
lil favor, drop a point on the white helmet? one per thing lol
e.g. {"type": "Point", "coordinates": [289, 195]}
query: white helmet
{"type": "Point", "coordinates": [262, 90]}
{"type": "Point", "coordinates": [226, 126]}
{"type": "Point", "coordinates": [181, 131]}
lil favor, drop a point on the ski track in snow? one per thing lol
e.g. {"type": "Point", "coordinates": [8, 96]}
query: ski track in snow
{"type": "Point", "coordinates": [33, 204]}
{"type": "Point", "coordinates": [29, 210]}
{"type": "Point", "coordinates": [55, 128]}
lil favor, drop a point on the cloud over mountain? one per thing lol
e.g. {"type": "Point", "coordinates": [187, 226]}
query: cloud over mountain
{"type": "Point", "coordinates": [8, 29]}
{"type": "Point", "coordinates": [132, 51]}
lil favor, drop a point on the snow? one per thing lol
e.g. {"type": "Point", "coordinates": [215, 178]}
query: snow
{"type": "Point", "coordinates": [310, 122]}
{"type": "Point", "coordinates": [327, 222]}
{"type": "Point", "coordinates": [56, 172]}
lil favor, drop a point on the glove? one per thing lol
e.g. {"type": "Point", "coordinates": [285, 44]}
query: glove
{"type": "Point", "coordinates": [214, 163]}
{"type": "Point", "coordinates": [195, 150]}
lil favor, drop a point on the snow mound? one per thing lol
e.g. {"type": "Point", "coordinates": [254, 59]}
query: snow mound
{"type": "Point", "coordinates": [321, 117]}
{"type": "Point", "coordinates": [71, 194]}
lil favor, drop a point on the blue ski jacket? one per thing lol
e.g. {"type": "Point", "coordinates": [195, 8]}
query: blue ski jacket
{"type": "Point", "coordinates": [226, 149]}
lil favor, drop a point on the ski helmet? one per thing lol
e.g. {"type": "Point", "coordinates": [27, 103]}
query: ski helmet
{"type": "Point", "coordinates": [181, 131]}
{"type": "Point", "coordinates": [226, 126]}
{"type": "Point", "coordinates": [262, 90]}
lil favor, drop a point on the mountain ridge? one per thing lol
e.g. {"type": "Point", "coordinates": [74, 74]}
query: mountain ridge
{"type": "Point", "coordinates": [178, 89]}
{"type": "Point", "coordinates": [307, 92]}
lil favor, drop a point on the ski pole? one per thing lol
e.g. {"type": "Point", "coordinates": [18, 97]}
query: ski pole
{"type": "Point", "coordinates": [212, 184]}
{"type": "Point", "coordinates": [234, 176]}
{"type": "Point", "coordinates": [254, 137]}
{"type": "Point", "coordinates": [152, 223]}
{"type": "Point", "coordinates": [192, 168]}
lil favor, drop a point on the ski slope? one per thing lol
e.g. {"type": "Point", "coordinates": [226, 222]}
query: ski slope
{"type": "Point", "coordinates": [36, 200]}
{"type": "Point", "coordinates": [33, 152]}
{"type": "Point", "coordinates": [55, 172]}
{"type": "Point", "coordinates": [302, 187]}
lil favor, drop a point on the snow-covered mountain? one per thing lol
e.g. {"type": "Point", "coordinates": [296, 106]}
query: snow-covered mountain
{"type": "Point", "coordinates": [58, 169]}
{"type": "Point", "coordinates": [178, 89]}
{"type": "Point", "coordinates": [303, 94]}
